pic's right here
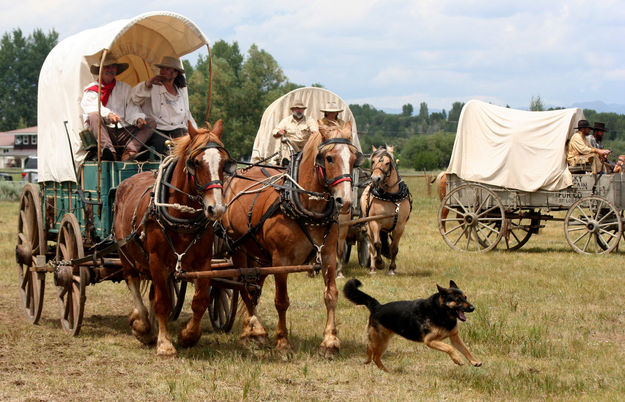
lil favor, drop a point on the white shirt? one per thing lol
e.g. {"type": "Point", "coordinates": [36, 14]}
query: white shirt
{"type": "Point", "coordinates": [118, 103]}
{"type": "Point", "coordinates": [169, 111]}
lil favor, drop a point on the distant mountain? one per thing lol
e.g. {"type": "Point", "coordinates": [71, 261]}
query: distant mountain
{"type": "Point", "coordinates": [601, 107]}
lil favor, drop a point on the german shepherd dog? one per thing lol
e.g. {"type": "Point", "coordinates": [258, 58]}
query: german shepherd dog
{"type": "Point", "coordinates": [422, 320]}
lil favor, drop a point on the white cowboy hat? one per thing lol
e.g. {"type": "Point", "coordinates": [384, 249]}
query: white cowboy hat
{"type": "Point", "coordinates": [297, 104]}
{"type": "Point", "coordinates": [331, 107]}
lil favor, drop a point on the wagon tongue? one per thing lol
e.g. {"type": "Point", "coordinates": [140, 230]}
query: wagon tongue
{"type": "Point", "coordinates": [461, 315]}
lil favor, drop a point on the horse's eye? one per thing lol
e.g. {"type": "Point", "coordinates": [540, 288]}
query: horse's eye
{"type": "Point", "coordinates": [329, 159]}
{"type": "Point", "coordinates": [196, 162]}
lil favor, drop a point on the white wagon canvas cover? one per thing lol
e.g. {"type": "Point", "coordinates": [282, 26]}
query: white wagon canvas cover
{"type": "Point", "coordinates": [314, 98]}
{"type": "Point", "coordinates": [140, 42]}
{"type": "Point", "coordinates": [514, 149]}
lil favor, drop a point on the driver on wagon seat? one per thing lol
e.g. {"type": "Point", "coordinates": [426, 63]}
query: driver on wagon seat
{"type": "Point", "coordinates": [580, 152]}
{"type": "Point", "coordinates": [296, 128]}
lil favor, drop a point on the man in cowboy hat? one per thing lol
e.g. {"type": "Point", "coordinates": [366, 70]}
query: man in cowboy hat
{"type": "Point", "coordinates": [581, 152]}
{"type": "Point", "coordinates": [330, 114]}
{"type": "Point", "coordinates": [122, 123]}
{"type": "Point", "coordinates": [596, 140]}
{"type": "Point", "coordinates": [296, 128]}
{"type": "Point", "coordinates": [164, 98]}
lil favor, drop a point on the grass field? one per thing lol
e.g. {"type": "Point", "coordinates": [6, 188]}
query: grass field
{"type": "Point", "coordinates": [549, 324]}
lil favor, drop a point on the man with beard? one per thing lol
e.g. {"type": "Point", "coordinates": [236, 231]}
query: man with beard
{"type": "Point", "coordinates": [580, 152]}
{"type": "Point", "coordinates": [296, 128]}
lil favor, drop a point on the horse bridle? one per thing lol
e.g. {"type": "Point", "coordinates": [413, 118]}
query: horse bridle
{"type": "Point", "coordinates": [320, 165]}
{"type": "Point", "coordinates": [388, 172]}
{"type": "Point", "coordinates": [229, 168]}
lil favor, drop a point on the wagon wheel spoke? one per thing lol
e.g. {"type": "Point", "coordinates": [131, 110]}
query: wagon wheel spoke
{"type": "Point", "coordinates": [30, 235]}
{"type": "Point", "coordinates": [596, 224]}
{"type": "Point", "coordinates": [71, 290]}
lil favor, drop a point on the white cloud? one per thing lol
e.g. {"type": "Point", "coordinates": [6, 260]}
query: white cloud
{"type": "Point", "coordinates": [393, 52]}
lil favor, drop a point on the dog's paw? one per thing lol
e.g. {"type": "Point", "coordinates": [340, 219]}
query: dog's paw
{"type": "Point", "coordinates": [457, 359]}
{"type": "Point", "coordinates": [476, 364]}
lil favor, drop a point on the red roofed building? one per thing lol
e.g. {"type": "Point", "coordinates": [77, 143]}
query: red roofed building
{"type": "Point", "coordinates": [16, 146]}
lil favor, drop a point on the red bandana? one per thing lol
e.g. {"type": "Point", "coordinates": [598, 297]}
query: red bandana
{"type": "Point", "coordinates": [106, 90]}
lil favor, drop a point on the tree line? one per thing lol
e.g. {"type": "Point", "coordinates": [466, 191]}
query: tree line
{"type": "Point", "coordinates": [244, 85]}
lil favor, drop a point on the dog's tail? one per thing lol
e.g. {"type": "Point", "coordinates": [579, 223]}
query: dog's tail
{"type": "Point", "coordinates": [353, 294]}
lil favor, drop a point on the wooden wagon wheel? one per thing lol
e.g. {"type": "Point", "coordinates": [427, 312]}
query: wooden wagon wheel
{"type": "Point", "coordinates": [31, 242]}
{"type": "Point", "coordinates": [518, 231]}
{"type": "Point", "coordinates": [71, 281]}
{"type": "Point", "coordinates": [177, 292]}
{"type": "Point", "coordinates": [475, 220]}
{"type": "Point", "coordinates": [593, 225]}
{"type": "Point", "coordinates": [222, 309]}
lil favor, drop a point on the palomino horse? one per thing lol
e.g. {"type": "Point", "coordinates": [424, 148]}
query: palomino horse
{"type": "Point", "coordinates": [167, 221]}
{"type": "Point", "coordinates": [277, 220]}
{"type": "Point", "coordinates": [386, 195]}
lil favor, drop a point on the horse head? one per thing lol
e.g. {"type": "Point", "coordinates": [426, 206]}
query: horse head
{"type": "Point", "coordinates": [335, 159]}
{"type": "Point", "coordinates": [382, 164]}
{"type": "Point", "coordinates": [205, 161]}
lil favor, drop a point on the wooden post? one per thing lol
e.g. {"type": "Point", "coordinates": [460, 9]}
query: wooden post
{"type": "Point", "coordinates": [428, 183]}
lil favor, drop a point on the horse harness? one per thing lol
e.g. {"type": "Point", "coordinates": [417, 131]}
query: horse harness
{"type": "Point", "coordinates": [290, 204]}
{"type": "Point", "coordinates": [382, 195]}
{"type": "Point", "coordinates": [158, 206]}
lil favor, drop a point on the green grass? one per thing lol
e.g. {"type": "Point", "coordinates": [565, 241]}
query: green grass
{"type": "Point", "coordinates": [548, 325]}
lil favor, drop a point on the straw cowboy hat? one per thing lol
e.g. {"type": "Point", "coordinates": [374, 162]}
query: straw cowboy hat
{"type": "Point", "coordinates": [171, 62]}
{"type": "Point", "coordinates": [599, 127]}
{"type": "Point", "coordinates": [297, 104]}
{"type": "Point", "coordinates": [582, 124]}
{"type": "Point", "coordinates": [109, 61]}
{"type": "Point", "coordinates": [331, 107]}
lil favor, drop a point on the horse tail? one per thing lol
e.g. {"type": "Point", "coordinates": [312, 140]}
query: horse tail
{"type": "Point", "coordinates": [356, 296]}
{"type": "Point", "coordinates": [386, 250]}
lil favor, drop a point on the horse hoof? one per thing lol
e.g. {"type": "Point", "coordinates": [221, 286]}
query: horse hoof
{"type": "Point", "coordinates": [257, 339]}
{"type": "Point", "coordinates": [283, 347]}
{"type": "Point", "coordinates": [165, 350]}
{"type": "Point", "coordinates": [391, 272]}
{"type": "Point", "coordinates": [340, 275]}
{"type": "Point", "coordinates": [372, 272]}
{"type": "Point", "coordinates": [328, 352]}
{"type": "Point", "coordinates": [188, 338]}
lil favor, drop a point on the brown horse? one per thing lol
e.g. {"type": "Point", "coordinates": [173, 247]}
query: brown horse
{"type": "Point", "coordinates": [168, 221]}
{"type": "Point", "coordinates": [275, 227]}
{"type": "Point", "coordinates": [386, 195]}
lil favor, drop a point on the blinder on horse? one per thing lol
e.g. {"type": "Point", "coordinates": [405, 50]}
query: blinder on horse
{"type": "Point", "coordinates": [382, 152]}
{"type": "Point", "coordinates": [230, 168]}
{"type": "Point", "coordinates": [320, 162]}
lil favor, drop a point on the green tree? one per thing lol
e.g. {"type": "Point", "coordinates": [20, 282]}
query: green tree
{"type": "Point", "coordinates": [423, 112]}
{"type": "Point", "coordinates": [242, 89]}
{"type": "Point", "coordinates": [536, 104]}
{"type": "Point", "coordinates": [407, 110]}
{"type": "Point", "coordinates": [21, 59]}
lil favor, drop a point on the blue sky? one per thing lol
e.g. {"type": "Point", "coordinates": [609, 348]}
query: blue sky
{"type": "Point", "coordinates": [389, 53]}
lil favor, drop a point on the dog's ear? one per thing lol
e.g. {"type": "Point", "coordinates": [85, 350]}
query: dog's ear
{"type": "Point", "coordinates": [440, 289]}
{"type": "Point", "coordinates": [452, 284]}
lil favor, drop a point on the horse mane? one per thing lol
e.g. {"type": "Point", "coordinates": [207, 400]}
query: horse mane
{"type": "Point", "coordinates": [187, 144]}
{"type": "Point", "coordinates": [381, 149]}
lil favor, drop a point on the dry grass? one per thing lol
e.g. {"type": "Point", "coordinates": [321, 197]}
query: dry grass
{"type": "Point", "coordinates": [548, 325]}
